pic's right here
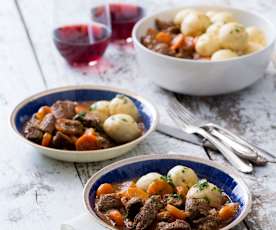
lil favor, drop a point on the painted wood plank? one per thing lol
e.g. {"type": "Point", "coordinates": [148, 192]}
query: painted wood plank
{"type": "Point", "coordinates": [30, 185]}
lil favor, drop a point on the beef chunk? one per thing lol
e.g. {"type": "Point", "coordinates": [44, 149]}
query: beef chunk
{"type": "Point", "coordinates": [104, 141]}
{"type": "Point", "coordinates": [165, 216]}
{"type": "Point", "coordinates": [64, 109]}
{"type": "Point", "coordinates": [62, 141]}
{"type": "Point", "coordinates": [176, 225]}
{"type": "Point", "coordinates": [173, 199]}
{"type": "Point", "coordinates": [33, 134]}
{"type": "Point", "coordinates": [70, 127]}
{"type": "Point", "coordinates": [162, 48]}
{"type": "Point", "coordinates": [148, 213]}
{"type": "Point", "coordinates": [48, 123]}
{"type": "Point", "coordinates": [133, 207]}
{"type": "Point", "coordinates": [108, 201]}
{"type": "Point", "coordinates": [210, 222]}
{"type": "Point", "coordinates": [163, 25]}
{"type": "Point", "coordinates": [31, 130]}
{"type": "Point", "coordinates": [197, 207]}
{"type": "Point", "coordinates": [91, 120]}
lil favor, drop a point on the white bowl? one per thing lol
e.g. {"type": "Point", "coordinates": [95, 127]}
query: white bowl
{"type": "Point", "coordinates": [29, 106]}
{"type": "Point", "coordinates": [194, 77]}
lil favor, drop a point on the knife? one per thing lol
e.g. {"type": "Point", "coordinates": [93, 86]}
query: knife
{"type": "Point", "coordinates": [181, 135]}
{"type": "Point", "coordinates": [196, 140]}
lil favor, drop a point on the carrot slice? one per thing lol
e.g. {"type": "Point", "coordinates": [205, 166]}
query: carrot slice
{"type": "Point", "coordinates": [177, 213]}
{"type": "Point", "coordinates": [87, 142]}
{"type": "Point", "coordinates": [137, 192]}
{"type": "Point", "coordinates": [163, 37]}
{"type": "Point", "coordinates": [42, 112]}
{"type": "Point", "coordinates": [228, 211]}
{"type": "Point", "coordinates": [182, 190]}
{"type": "Point", "coordinates": [46, 139]}
{"type": "Point", "coordinates": [81, 108]}
{"type": "Point", "coordinates": [178, 42]}
{"type": "Point", "coordinates": [160, 187]}
{"type": "Point", "coordinates": [116, 217]}
{"type": "Point", "coordinates": [105, 188]}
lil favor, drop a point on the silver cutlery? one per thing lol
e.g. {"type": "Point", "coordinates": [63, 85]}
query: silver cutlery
{"type": "Point", "coordinates": [190, 125]}
{"type": "Point", "coordinates": [196, 140]}
{"type": "Point", "coordinates": [241, 147]}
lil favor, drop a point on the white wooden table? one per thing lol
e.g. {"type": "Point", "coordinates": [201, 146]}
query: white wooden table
{"type": "Point", "coordinates": [39, 193]}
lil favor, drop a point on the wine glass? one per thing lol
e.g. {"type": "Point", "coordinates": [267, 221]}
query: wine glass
{"type": "Point", "coordinates": [81, 35]}
{"type": "Point", "coordinates": [124, 15]}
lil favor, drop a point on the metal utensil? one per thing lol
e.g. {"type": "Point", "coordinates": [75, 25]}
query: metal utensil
{"type": "Point", "coordinates": [196, 140]}
{"type": "Point", "coordinates": [240, 149]}
{"type": "Point", "coordinates": [189, 125]}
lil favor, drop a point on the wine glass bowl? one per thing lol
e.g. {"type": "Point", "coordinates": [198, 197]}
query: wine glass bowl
{"type": "Point", "coordinates": [81, 37]}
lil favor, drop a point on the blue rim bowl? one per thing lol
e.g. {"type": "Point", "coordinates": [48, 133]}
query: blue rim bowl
{"type": "Point", "coordinates": [29, 106]}
{"type": "Point", "coordinates": [222, 176]}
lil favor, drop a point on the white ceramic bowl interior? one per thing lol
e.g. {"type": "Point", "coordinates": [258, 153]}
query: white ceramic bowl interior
{"type": "Point", "coordinates": [202, 78]}
{"type": "Point", "coordinates": [147, 110]}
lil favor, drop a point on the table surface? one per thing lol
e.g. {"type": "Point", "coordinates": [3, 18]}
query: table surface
{"type": "Point", "coordinates": [39, 193]}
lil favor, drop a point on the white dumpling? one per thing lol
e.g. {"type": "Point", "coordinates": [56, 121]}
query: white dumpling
{"type": "Point", "coordinates": [223, 17]}
{"type": "Point", "coordinates": [101, 108]}
{"type": "Point", "coordinates": [256, 35]}
{"type": "Point", "coordinates": [233, 36]}
{"type": "Point", "coordinates": [123, 104]}
{"type": "Point", "coordinates": [183, 176]}
{"type": "Point", "coordinates": [207, 191]}
{"type": "Point", "coordinates": [223, 54]}
{"type": "Point", "coordinates": [121, 128]}
{"type": "Point", "coordinates": [179, 17]}
{"type": "Point", "coordinates": [253, 47]}
{"type": "Point", "coordinates": [194, 24]}
{"type": "Point", "coordinates": [146, 180]}
{"type": "Point", "coordinates": [211, 13]}
{"type": "Point", "coordinates": [214, 28]}
{"type": "Point", "coordinates": [207, 44]}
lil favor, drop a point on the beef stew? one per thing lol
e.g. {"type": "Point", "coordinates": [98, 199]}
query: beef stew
{"type": "Point", "coordinates": [177, 201]}
{"type": "Point", "coordinates": [89, 125]}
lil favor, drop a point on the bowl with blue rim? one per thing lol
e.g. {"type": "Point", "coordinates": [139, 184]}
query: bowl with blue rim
{"type": "Point", "coordinates": [24, 111]}
{"type": "Point", "coordinates": [222, 176]}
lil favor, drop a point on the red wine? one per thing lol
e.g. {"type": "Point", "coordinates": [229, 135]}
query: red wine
{"type": "Point", "coordinates": [123, 18]}
{"type": "Point", "coordinates": [80, 44]}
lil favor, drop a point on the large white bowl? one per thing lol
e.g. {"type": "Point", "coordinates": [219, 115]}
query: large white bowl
{"type": "Point", "coordinates": [29, 106]}
{"type": "Point", "coordinates": [194, 77]}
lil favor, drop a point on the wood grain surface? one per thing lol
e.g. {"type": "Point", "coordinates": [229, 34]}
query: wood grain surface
{"type": "Point", "coordinates": [40, 193]}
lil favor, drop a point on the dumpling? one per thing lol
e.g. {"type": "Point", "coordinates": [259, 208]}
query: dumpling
{"type": "Point", "coordinates": [207, 191]}
{"type": "Point", "coordinates": [256, 35]}
{"type": "Point", "coordinates": [194, 24]}
{"type": "Point", "coordinates": [146, 180]}
{"type": "Point", "coordinates": [211, 13]}
{"type": "Point", "coordinates": [101, 108]}
{"type": "Point", "coordinates": [122, 104]}
{"type": "Point", "coordinates": [207, 44]}
{"type": "Point", "coordinates": [233, 36]}
{"type": "Point", "coordinates": [179, 17]}
{"type": "Point", "coordinates": [253, 47]}
{"type": "Point", "coordinates": [182, 176]}
{"type": "Point", "coordinates": [223, 17]}
{"type": "Point", "coordinates": [223, 54]}
{"type": "Point", "coordinates": [214, 28]}
{"type": "Point", "coordinates": [121, 128]}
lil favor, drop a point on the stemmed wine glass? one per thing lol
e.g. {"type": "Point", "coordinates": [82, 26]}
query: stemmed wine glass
{"type": "Point", "coordinates": [81, 34]}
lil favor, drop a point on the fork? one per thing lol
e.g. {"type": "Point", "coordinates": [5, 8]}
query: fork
{"type": "Point", "coordinates": [190, 125]}
{"type": "Point", "coordinates": [241, 147]}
